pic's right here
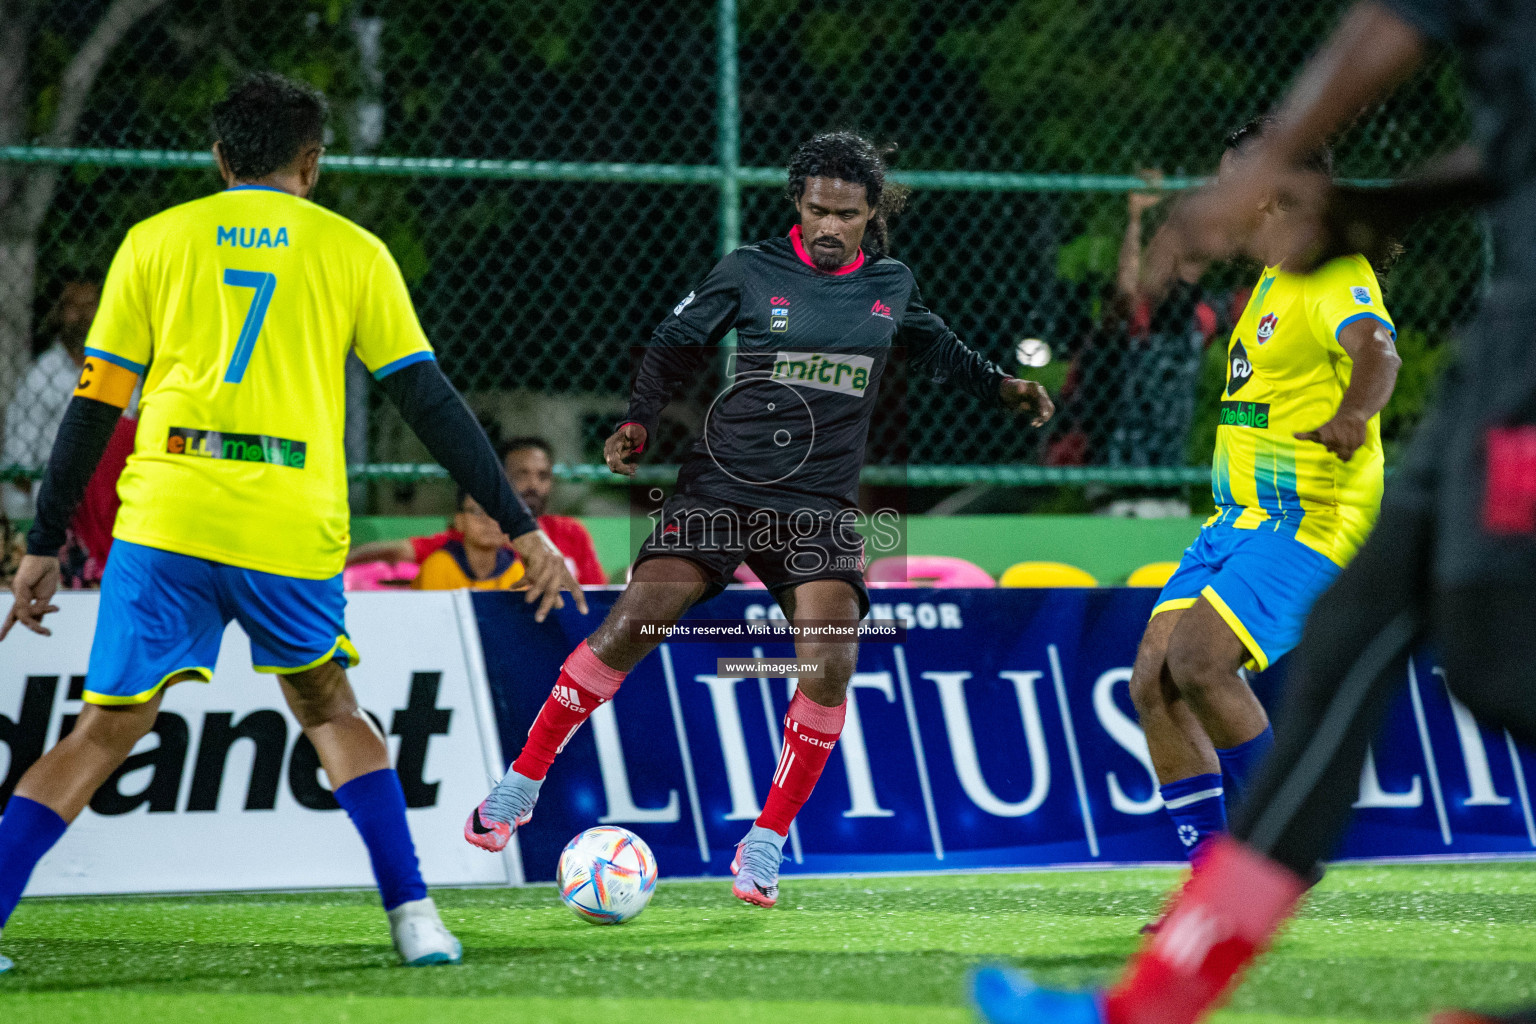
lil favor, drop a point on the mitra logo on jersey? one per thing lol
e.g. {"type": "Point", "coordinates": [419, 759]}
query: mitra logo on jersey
{"type": "Point", "coordinates": [215, 444]}
{"type": "Point", "coordinates": [825, 371]}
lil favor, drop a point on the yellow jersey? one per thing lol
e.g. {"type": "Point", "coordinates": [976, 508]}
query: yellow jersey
{"type": "Point", "coordinates": [239, 310]}
{"type": "Point", "coordinates": [1286, 374]}
{"type": "Point", "coordinates": [447, 568]}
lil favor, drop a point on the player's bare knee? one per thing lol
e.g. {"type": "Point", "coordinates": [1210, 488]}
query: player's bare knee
{"type": "Point", "coordinates": [835, 665]}
{"type": "Point", "coordinates": [115, 729]}
{"type": "Point", "coordinates": [319, 695]}
{"type": "Point", "coordinates": [1195, 670]}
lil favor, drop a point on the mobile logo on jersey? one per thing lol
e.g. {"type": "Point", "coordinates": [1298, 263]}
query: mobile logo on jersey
{"type": "Point", "coordinates": [677, 310]}
{"type": "Point", "coordinates": [1267, 325]}
{"type": "Point", "coordinates": [824, 371]}
{"type": "Point", "coordinates": [881, 309]}
{"type": "Point", "coordinates": [215, 444]}
{"type": "Point", "coordinates": [1245, 414]}
{"type": "Point", "coordinates": [1239, 369]}
{"type": "Point", "coordinates": [778, 314]}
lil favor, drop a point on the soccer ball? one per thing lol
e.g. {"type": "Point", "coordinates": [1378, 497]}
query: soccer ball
{"type": "Point", "coordinates": [606, 875]}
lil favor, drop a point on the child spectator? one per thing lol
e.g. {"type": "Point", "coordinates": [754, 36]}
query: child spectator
{"type": "Point", "coordinates": [477, 558]}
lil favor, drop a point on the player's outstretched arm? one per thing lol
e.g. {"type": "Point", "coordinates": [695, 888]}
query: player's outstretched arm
{"type": "Point", "coordinates": [82, 439]}
{"type": "Point", "coordinates": [936, 349]}
{"type": "Point", "coordinates": [1371, 51]}
{"type": "Point", "coordinates": [432, 408]}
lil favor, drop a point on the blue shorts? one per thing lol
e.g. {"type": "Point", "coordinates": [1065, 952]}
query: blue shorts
{"type": "Point", "coordinates": [162, 614]}
{"type": "Point", "coordinates": [1261, 583]}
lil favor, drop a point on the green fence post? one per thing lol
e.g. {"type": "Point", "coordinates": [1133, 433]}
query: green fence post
{"type": "Point", "coordinates": [728, 113]}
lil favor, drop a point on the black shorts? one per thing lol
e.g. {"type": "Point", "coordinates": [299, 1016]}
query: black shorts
{"type": "Point", "coordinates": [784, 547]}
{"type": "Point", "coordinates": [1472, 464]}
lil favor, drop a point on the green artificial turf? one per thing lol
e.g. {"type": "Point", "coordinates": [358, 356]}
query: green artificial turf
{"type": "Point", "coordinates": [1375, 944]}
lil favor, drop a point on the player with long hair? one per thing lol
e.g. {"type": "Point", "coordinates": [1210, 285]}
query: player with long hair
{"type": "Point", "coordinates": [773, 481]}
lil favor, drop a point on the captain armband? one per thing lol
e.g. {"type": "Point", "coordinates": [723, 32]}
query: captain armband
{"type": "Point", "coordinates": [106, 382]}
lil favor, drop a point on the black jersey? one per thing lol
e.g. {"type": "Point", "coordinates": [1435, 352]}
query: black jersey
{"type": "Point", "coordinates": [788, 426]}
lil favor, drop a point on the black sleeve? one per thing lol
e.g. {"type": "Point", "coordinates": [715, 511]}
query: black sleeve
{"type": "Point", "coordinates": [682, 342]}
{"type": "Point", "coordinates": [82, 439]}
{"type": "Point", "coordinates": [933, 347]}
{"type": "Point", "coordinates": [432, 408]}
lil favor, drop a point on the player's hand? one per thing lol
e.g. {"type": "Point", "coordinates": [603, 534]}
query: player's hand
{"type": "Point", "coordinates": [1027, 396]}
{"type": "Point", "coordinates": [545, 571]}
{"type": "Point", "coordinates": [1138, 203]}
{"type": "Point", "coordinates": [1343, 435]}
{"type": "Point", "coordinates": [621, 450]}
{"type": "Point", "coordinates": [37, 580]}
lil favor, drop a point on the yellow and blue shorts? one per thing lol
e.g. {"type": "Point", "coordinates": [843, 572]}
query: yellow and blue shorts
{"type": "Point", "coordinates": [1260, 582]}
{"type": "Point", "coordinates": [163, 614]}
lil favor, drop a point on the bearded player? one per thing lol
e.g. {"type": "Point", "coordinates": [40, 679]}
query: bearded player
{"type": "Point", "coordinates": [1454, 552]}
{"type": "Point", "coordinates": [1297, 480]}
{"type": "Point", "coordinates": [773, 481]}
{"type": "Point", "coordinates": [238, 311]}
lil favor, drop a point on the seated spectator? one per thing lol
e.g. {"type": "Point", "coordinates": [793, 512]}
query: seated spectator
{"type": "Point", "coordinates": [478, 557]}
{"type": "Point", "coordinates": [530, 468]}
{"type": "Point", "coordinates": [37, 407]}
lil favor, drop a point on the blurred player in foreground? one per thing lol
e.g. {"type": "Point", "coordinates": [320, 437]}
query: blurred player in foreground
{"type": "Point", "coordinates": [1297, 480]}
{"type": "Point", "coordinates": [1454, 553]}
{"type": "Point", "coordinates": [773, 481]}
{"type": "Point", "coordinates": [238, 310]}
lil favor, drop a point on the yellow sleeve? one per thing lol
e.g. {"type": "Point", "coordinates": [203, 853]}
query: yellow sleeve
{"type": "Point", "coordinates": [1341, 292]}
{"type": "Point", "coordinates": [121, 339]}
{"type": "Point", "coordinates": [440, 572]}
{"type": "Point", "coordinates": [389, 337]}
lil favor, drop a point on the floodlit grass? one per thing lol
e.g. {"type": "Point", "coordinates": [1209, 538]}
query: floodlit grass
{"type": "Point", "coordinates": [1376, 944]}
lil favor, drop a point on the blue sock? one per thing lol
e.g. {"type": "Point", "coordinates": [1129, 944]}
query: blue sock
{"type": "Point", "coordinates": [1196, 806]}
{"type": "Point", "coordinates": [376, 804]}
{"type": "Point", "coordinates": [1238, 763]}
{"type": "Point", "coordinates": [28, 830]}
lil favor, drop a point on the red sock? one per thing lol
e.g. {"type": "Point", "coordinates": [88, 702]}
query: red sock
{"type": "Point", "coordinates": [810, 732]}
{"type": "Point", "coordinates": [1223, 919]}
{"type": "Point", "coordinates": [585, 684]}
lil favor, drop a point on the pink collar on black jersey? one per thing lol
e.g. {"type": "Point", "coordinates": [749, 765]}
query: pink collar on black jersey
{"type": "Point", "coordinates": [805, 257]}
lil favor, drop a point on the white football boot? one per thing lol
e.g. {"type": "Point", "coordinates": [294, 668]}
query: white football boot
{"type": "Point", "coordinates": [420, 937]}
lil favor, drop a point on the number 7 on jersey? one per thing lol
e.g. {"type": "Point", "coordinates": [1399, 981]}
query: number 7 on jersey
{"type": "Point", "coordinates": [264, 284]}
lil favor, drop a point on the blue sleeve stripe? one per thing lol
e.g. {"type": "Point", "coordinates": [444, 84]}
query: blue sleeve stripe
{"type": "Point", "coordinates": [127, 364]}
{"type": "Point", "coordinates": [401, 363]}
{"type": "Point", "coordinates": [1365, 316]}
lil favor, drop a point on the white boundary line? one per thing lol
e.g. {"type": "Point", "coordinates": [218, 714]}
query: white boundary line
{"type": "Point", "coordinates": [1431, 769]}
{"type": "Point", "coordinates": [1072, 754]}
{"type": "Point", "coordinates": [485, 716]}
{"type": "Point", "coordinates": [682, 746]}
{"type": "Point", "coordinates": [917, 750]}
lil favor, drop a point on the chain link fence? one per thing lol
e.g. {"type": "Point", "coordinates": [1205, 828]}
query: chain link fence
{"type": "Point", "coordinates": [553, 175]}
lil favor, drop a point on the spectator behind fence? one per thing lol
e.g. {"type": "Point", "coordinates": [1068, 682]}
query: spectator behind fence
{"type": "Point", "coordinates": [529, 466]}
{"type": "Point", "coordinates": [478, 557]}
{"type": "Point", "coordinates": [37, 407]}
{"type": "Point", "coordinates": [1164, 347]}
